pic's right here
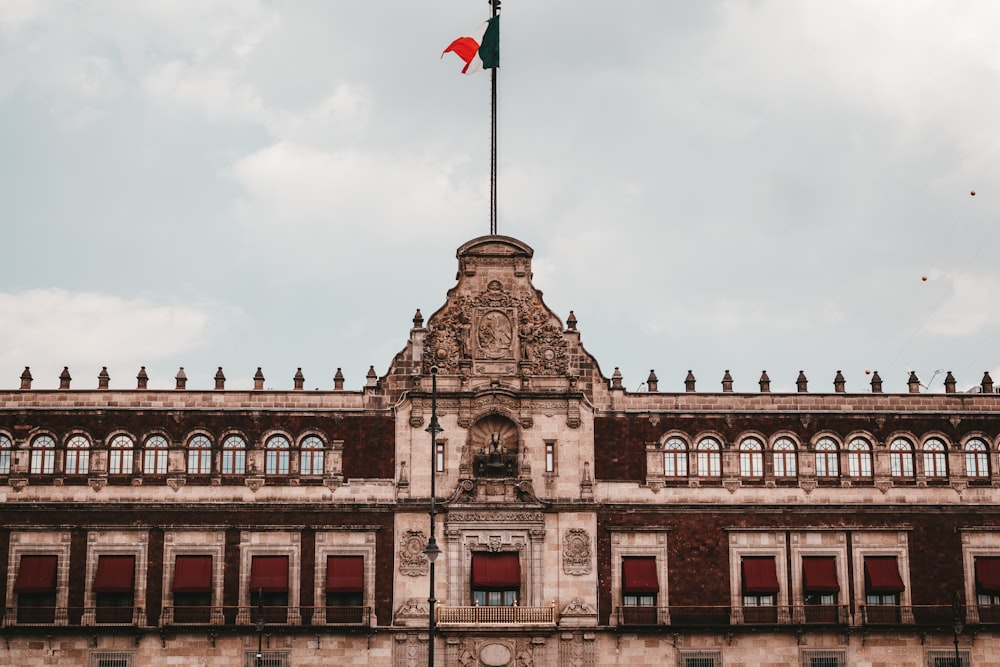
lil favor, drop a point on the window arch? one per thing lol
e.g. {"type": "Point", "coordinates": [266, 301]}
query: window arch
{"type": "Point", "coordinates": [784, 458]}
{"type": "Point", "coordinates": [977, 459]}
{"type": "Point", "coordinates": [120, 453]}
{"type": "Point", "coordinates": [43, 455]}
{"type": "Point", "coordinates": [675, 458]}
{"type": "Point", "coordinates": [77, 455]}
{"type": "Point", "coordinates": [277, 455]}
{"type": "Point", "coordinates": [199, 455]}
{"type": "Point", "coordinates": [311, 456]}
{"type": "Point", "coordinates": [826, 458]}
{"type": "Point", "coordinates": [155, 456]}
{"type": "Point", "coordinates": [234, 455]}
{"type": "Point", "coordinates": [935, 461]}
{"type": "Point", "coordinates": [901, 458]}
{"type": "Point", "coordinates": [859, 458]}
{"type": "Point", "coordinates": [751, 458]}
{"type": "Point", "coordinates": [6, 448]}
{"type": "Point", "coordinates": [709, 458]}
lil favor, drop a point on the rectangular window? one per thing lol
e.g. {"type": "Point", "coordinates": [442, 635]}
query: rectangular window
{"type": "Point", "coordinates": [192, 589]}
{"type": "Point", "coordinates": [35, 588]}
{"type": "Point", "coordinates": [882, 588]}
{"type": "Point", "coordinates": [496, 579]}
{"type": "Point", "coordinates": [699, 658]}
{"type": "Point", "coordinates": [267, 659]}
{"type": "Point", "coordinates": [114, 589]}
{"type": "Point", "coordinates": [946, 658]}
{"type": "Point", "coordinates": [820, 588]}
{"type": "Point", "coordinates": [760, 589]}
{"type": "Point", "coordinates": [439, 456]}
{"type": "Point", "coordinates": [112, 659]}
{"type": "Point", "coordinates": [269, 586]}
{"type": "Point", "coordinates": [824, 659]}
{"type": "Point", "coordinates": [640, 587]}
{"type": "Point", "coordinates": [345, 589]}
{"type": "Point", "coordinates": [987, 571]}
{"type": "Point", "coordinates": [550, 457]}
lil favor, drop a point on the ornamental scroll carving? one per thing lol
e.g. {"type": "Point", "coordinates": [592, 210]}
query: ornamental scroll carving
{"type": "Point", "coordinates": [577, 553]}
{"type": "Point", "coordinates": [412, 560]}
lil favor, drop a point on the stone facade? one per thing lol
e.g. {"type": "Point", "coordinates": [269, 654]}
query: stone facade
{"type": "Point", "coordinates": [579, 523]}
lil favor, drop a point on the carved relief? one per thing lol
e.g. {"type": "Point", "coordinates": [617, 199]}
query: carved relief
{"type": "Point", "coordinates": [412, 560]}
{"type": "Point", "coordinates": [576, 552]}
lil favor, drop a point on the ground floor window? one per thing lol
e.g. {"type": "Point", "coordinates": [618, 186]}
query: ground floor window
{"type": "Point", "coordinates": [699, 659]}
{"type": "Point", "coordinates": [946, 658]}
{"type": "Point", "coordinates": [824, 659]}
{"type": "Point", "coordinates": [112, 659]}
{"type": "Point", "coordinates": [266, 659]}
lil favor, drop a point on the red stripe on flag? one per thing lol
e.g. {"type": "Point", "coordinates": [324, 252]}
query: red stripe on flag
{"type": "Point", "coordinates": [465, 48]}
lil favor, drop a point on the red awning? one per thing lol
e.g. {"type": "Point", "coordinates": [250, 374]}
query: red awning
{"type": "Point", "coordinates": [115, 574]}
{"type": "Point", "coordinates": [496, 571]}
{"type": "Point", "coordinates": [882, 575]}
{"type": "Point", "coordinates": [37, 574]}
{"type": "Point", "coordinates": [193, 574]}
{"type": "Point", "coordinates": [269, 574]}
{"type": "Point", "coordinates": [345, 574]}
{"type": "Point", "coordinates": [819, 574]}
{"type": "Point", "coordinates": [759, 575]}
{"type": "Point", "coordinates": [639, 576]}
{"type": "Point", "coordinates": [988, 574]}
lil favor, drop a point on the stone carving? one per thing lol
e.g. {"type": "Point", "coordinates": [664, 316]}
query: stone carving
{"type": "Point", "coordinates": [495, 517]}
{"type": "Point", "coordinates": [577, 553]}
{"type": "Point", "coordinates": [525, 654]}
{"type": "Point", "coordinates": [412, 560]}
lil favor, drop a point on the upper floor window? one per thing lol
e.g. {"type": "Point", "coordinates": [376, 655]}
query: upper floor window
{"type": "Point", "coordinates": [5, 450]}
{"type": "Point", "coordinates": [276, 455]}
{"type": "Point", "coordinates": [35, 588]}
{"type": "Point", "coordinates": [883, 586]}
{"type": "Point", "coordinates": [43, 455]}
{"type": "Point", "coordinates": [859, 458]}
{"type": "Point", "coordinates": [760, 589]}
{"type": "Point", "coordinates": [120, 453]}
{"type": "Point", "coordinates": [192, 589]}
{"type": "Point", "coordinates": [901, 458]}
{"type": "Point", "coordinates": [77, 456]}
{"type": "Point", "coordinates": [751, 458]}
{"type": "Point", "coordinates": [784, 458]}
{"type": "Point", "coordinates": [199, 456]}
{"type": "Point", "coordinates": [709, 458]}
{"type": "Point", "coordinates": [675, 458]}
{"type": "Point", "coordinates": [977, 458]}
{"type": "Point", "coordinates": [496, 579]}
{"type": "Point", "coordinates": [826, 458]}
{"type": "Point", "coordinates": [439, 456]}
{"type": "Point", "coordinates": [550, 456]}
{"type": "Point", "coordinates": [234, 455]}
{"type": "Point", "coordinates": [640, 588]}
{"type": "Point", "coordinates": [154, 460]}
{"type": "Point", "coordinates": [345, 589]}
{"type": "Point", "coordinates": [935, 461]}
{"type": "Point", "coordinates": [311, 456]}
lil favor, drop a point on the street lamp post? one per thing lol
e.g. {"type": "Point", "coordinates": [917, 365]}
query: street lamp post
{"type": "Point", "coordinates": [956, 616]}
{"type": "Point", "coordinates": [432, 551]}
{"type": "Point", "coordinates": [260, 628]}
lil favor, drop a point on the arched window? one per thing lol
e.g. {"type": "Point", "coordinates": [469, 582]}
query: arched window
{"type": "Point", "coordinates": [234, 455]}
{"type": "Point", "coordinates": [199, 456]}
{"type": "Point", "coordinates": [77, 456]}
{"type": "Point", "coordinates": [311, 456]}
{"type": "Point", "coordinates": [276, 455]}
{"type": "Point", "coordinates": [6, 446]}
{"type": "Point", "coordinates": [709, 458]}
{"type": "Point", "coordinates": [784, 458]}
{"type": "Point", "coordinates": [120, 453]}
{"type": "Point", "coordinates": [675, 458]}
{"type": "Point", "coordinates": [901, 458]}
{"type": "Point", "coordinates": [43, 455]}
{"type": "Point", "coordinates": [155, 457]}
{"type": "Point", "coordinates": [826, 458]}
{"type": "Point", "coordinates": [935, 461]}
{"type": "Point", "coordinates": [751, 458]}
{"type": "Point", "coordinates": [977, 458]}
{"type": "Point", "coordinates": [859, 458]}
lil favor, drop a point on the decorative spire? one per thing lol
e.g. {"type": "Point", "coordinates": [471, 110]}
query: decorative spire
{"type": "Point", "coordinates": [371, 377]}
{"type": "Point", "coordinates": [651, 382]}
{"type": "Point", "coordinates": [64, 378]}
{"type": "Point", "coordinates": [839, 384]}
{"type": "Point", "coordinates": [418, 320]}
{"type": "Point", "coordinates": [689, 381]}
{"type": "Point", "coordinates": [876, 383]}
{"type": "Point", "coordinates": [802, 383]}
{"type": "Point", "coordinates": [727, 382]}
{"type": "Point", "coordinates": [571, 322]}
{"type": "Point", "coordinates": [299, 380]}
{"type": "Point", "coordinates": [949, 383]}
{"type": "Point", "coordinates": [103, 379]}
{"type": "Point", "coordinates": [142, 379]}
{"type": "Point", "coordinates": [987, 383]}
{"type": "Point", "coordinates": [764, 382]}
{"type": "Point", "coordinates": [616, 379]}
{"type": "Point", "coordinates": [913, 383]}
{"type": "Point", "coordinates": [26, 378]}
{"type": "Point", "coordinates": [220, 380]}
{"type": "Point", "coordinates": [338, 380]}
{"type": "Point", "coordinates": [258, 380]}
{"type": "Point", "coordinates": [181, 379]}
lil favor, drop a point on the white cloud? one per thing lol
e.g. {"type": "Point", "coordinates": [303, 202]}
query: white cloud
{"type": "Point", "coordinates": [969, 307]}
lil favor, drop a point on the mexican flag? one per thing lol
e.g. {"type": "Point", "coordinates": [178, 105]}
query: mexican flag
{"type": "Point", "coordinates": [480, 49]}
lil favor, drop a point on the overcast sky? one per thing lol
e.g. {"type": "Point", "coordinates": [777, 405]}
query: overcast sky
{"type": "Point", "coordinates": [708, 185]}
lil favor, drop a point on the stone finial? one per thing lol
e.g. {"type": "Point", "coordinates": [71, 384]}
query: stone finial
{"type": "Point", "coordinates": [64, 378]}
{"type": "Point", "coordinates": [26, 378]}
{"type": "Point", "coordinates": [181, 378]}
{"type": "Point", "coordinates": [338, 380]}
{"type": "Point", "coordinates": [913, 383]}
{"type": "Point", "coordinates": [571, 322]}
{"type": "Point", "coordinates": [371, 377]}
{"type": "Point", "coordinates": [258, 380]}
{"type": "Point", "coordinates": [651, 382]}
{"type": "Point", "coordinates": [220, 380]}
{"type": "Point", "coordinates": [299, 380]}
{"type": "Point", "coordinates": [616, 379]}
{"type": "Point", "coordinates": [727, 382]}
{"type": "Point", "coordinates": [802, 383]}
{"type": "Point", "coordinates": [689, 381]}
{"type": "Point", "coordinates": [839, 383]}
{"type": "Point", "coordinates": [949, 383]}
{"type": "Point", "coordinates": [987, 383]}
{"type": "Point", "coordinates": [418, 320]}
{"type": "Point", "coordinates": [103, 379]}
{"type": "Point", "coordinates": [764, 382]}
{"type": "Point", "coordinates": [142, 379]}
{"type": "Point", "coordinates": [876, 383]}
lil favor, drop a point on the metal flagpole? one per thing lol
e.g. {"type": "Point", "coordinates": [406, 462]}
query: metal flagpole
{"type": "Point", "coordinates": [495, 4]}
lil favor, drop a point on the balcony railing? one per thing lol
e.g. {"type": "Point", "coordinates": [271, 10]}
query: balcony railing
{"type": "Point", "coordinates": [894, 614]}
{"type": "Point", "coordinates": [484, 615]}
{"type": "Point", "coordinates": [113, 616]}
{"type": "Point", "coordinates": [202, 616]}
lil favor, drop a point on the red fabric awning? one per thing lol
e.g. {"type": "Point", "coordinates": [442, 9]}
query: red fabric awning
{"type": "Point", "coordinates": [193, 574]}
{"type": "Point", "coordinates": [882, 575]}
{"type": "Point", "coordinates": [759, 575]}
{"type": "Point", "coordinates": [988, 574]}
{"type": "Point", "coordinates": [639, 576]}
{"type": "Point", "coordinates": [345, 574]}
{"type": "Point", "coordinates": [819, 574]}
{"type": "Point", "coordinates": [37, 574]}
{"type": "Point", "coordinates": [269, 574]}
{"type": "Point", "coordinates": [500, 571]}
{"type": "Point", "coordinates": [115, 574]}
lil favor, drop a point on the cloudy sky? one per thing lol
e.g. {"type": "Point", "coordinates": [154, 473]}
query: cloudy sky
{"type": "Point", "coordinates": [709, 185]}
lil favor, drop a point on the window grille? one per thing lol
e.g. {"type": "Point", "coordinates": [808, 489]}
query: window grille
{"type": "Point", "coordinates": [699, 659]}
{"type": "Point", "coordinates": [946, 658]}
{"type": "Point", "coordinates": [112, 659]}
{"type": "Point", "coordinates": [824, 659]}
{"type": "Point", "coordinates": [267, 659]}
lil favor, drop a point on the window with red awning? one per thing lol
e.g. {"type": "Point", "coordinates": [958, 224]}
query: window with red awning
{"type": "Point", "coordinates": [193, 574]}
{"type": "Point", "coordinates": [639, 575]}
{"type": "Point", "coordinates": [819, 574]}
{"type": "Point", "coordinates": [115, 574]}
{"type": "Point", "coordinates": [37, 574]}
{"type": "Point", "coordinates": [345, 574]}
{"type": "Point", "coordinates": [269, 574]}
{"type": "Point", "coordinates": [496, 571]}
{"type": "Point", "coordinates": [988, 574]}
{"type": "Point", "coordinates": [760, 577]}
{"type": "Point", "coordinates": [882, 575]}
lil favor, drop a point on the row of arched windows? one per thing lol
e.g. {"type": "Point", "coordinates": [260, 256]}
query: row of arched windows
{"type": "Point", "coordinates": [124, 458]}
{"type": "Point", "coordinates": [705, 458]}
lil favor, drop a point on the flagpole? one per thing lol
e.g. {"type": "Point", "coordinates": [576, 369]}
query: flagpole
{"type": "Point", "coordinates": [495, 5]}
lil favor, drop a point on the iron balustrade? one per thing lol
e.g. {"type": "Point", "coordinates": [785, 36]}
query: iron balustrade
{"type": "Point", "coordinates": [486, 615]}
{"type": "Point", "coordinates": [198, 616]}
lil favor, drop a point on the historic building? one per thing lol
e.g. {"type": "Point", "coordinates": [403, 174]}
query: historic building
{"type": "Point", "coordinates": [578, 523]}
